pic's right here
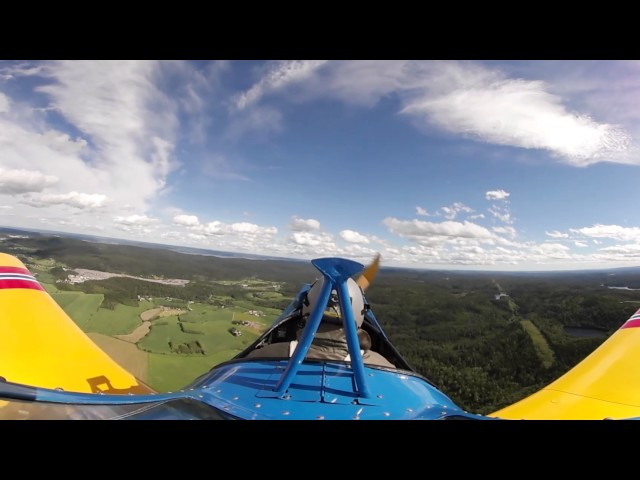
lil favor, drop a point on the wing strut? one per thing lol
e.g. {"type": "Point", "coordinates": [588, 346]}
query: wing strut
{"type": "Point", "coordinates": [336, 272]}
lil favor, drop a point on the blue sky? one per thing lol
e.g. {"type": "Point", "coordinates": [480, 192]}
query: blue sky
{"type": "Point", "coordinates": [483, 165]}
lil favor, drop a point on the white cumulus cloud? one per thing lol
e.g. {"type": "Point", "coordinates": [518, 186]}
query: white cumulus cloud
{"type": "Point", "coordinates": [72, 199]}
{"type": "Point", "coordinates": [353, 237]}
{"type": "Point", "coordinates": [557, 234]}
{"type": "Point", "coordinates": [304, 225]}
{"type": "Point", "coordinates": [17, 181]}
{"type": "Point", "coordinates": [186, 220]}
{"type": "Point", "coordinates": [135, 220]}
{"type": "Point", "coordinates": [496, 195]}
{"type": "Point", "coordinates": [610, 231]}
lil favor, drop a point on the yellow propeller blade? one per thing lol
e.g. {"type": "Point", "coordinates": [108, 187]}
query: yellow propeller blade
{"type": "Point", "coordinates": [369, 273]}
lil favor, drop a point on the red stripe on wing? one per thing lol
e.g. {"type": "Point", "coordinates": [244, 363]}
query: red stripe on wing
{"type": "Point", "coordinates": [21, 270]}
{"type": "Point", "coordinates": [18, 283]}
{"type": "Point", "coordinates": [632, 323]}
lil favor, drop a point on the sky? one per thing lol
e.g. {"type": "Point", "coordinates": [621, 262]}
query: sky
{"type": "Point", "coordinates": [514, 165]}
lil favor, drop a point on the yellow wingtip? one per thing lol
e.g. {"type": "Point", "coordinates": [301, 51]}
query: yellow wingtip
{"type": "Point", "coordinates": [10, 261]}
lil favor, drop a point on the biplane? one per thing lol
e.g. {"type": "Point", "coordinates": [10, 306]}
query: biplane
{"type": "Point", "coordinates": [50, 369]}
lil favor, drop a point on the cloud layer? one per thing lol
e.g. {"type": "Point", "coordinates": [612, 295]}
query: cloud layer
{"type": "Point", "coordinates": [122, 148]}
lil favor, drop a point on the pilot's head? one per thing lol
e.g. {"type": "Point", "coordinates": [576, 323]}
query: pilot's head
{"type": "Point", "coordinates": [332, 313]}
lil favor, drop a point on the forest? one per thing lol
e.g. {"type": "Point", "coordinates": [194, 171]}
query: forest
{"type": "Point", "coordinates": [486, 339]}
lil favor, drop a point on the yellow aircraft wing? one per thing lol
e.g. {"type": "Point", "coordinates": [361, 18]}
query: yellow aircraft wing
{"type": "Point", "coordinates": [41, 346]}
{"type": "Point", "coordinates": [605, 385]}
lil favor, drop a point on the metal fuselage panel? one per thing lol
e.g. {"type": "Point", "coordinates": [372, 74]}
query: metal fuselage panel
{"type": "Point", "coordinates": [323, 391]}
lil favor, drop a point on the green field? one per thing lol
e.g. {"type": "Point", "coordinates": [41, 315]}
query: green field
{"type": "Point", "coordinates": [84, 309]}
{"type": "Point", "coordinates": [79, 306]}
{"type": "Point", "coordinates": [119, 321]}
{"type": "Point", "coordinates": [168, 373]}
{"type": "Point", "coordinates": [135, 361]}
{"type": "Point", "coordinates": [539, 343]}
{"type": "Point", "coordinates": [44, 276]}
{"type": "Point", "coordinates": [214, 336]}
{"type": "Point", "coordinates": [203, 313]}
{"type": "Point", "coordinates": [164, 369]}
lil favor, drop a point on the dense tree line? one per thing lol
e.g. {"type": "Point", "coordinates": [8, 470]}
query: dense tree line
{"type": "Point", "coordinates": [126, 290]}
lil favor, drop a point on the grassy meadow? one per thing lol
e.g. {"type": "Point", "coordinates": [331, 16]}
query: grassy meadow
{"type": "Point", "coordinates": [122, 320]}
{"type": "Point", "coordinates": [80, 306]}
{"type": "Point", "coordinates": [176, 347]}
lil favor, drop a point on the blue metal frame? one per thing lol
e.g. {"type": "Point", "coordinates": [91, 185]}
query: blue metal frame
{"type": "Point", "coordinates": [336, 272]}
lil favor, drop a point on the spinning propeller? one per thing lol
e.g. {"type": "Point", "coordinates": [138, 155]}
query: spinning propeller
{"type": "Point", "coordinates": [368, 274]}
